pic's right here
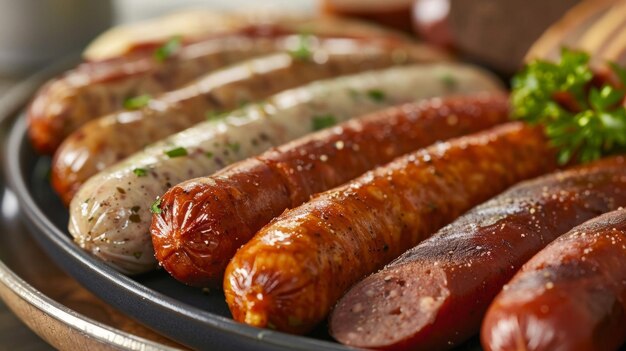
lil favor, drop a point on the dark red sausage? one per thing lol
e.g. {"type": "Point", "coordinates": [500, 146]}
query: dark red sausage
{"type": "Point", "coordinates": [228, 208]}
{"type": "Point", "coordinates": [294, 270]}
{"type": "Point", "coordinates": [435, 295]}
{"type": "Point", "coordinates": [570, 296]}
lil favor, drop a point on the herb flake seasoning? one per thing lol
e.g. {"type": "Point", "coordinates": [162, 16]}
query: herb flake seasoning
{"type": "Point", "coordinates": [137, 102]}
{"type": "Point", "coordinates": [449, 81]}
{"type": "Point", "coordinates": [169, 48]}
{"type": "Point", "coordinates": [140, 172]}
{"type": "Point", "coordinates": [323, 121]}
{"type": "Point", "coordinates": [176, 152]}
{"type": "Point", "coordinates": [303, 50]}
{"type": "Point", "coordinates": [156, 206]}
{"type": "Point", "coordinates": [376, 95]}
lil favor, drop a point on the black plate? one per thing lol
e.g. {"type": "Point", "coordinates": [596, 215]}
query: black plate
{"type": "Point", "coordinates": [187, 315]}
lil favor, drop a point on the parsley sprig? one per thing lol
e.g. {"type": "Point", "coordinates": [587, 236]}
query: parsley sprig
{"type": "Point", "coordinates": [583, 119]}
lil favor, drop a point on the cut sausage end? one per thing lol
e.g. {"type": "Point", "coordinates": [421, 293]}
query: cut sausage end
{"type": "Point", "coordinates": [381, 313]}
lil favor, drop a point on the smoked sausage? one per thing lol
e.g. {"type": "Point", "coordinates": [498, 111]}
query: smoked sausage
{"type": "Point", "coordinates": [229, 207]}
{"type": "Point", "coordinates": [435, 295]}
{"type": "Point", "coordinates": [570, 296]}
{"type": "Point", "coordinates": [294, 269]}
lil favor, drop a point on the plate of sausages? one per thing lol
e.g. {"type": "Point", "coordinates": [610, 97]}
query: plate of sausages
{"type": "Point", "coordinates": [325, 183]}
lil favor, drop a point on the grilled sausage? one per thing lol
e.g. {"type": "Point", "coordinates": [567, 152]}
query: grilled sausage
{"type": "Point", "coordinates": [570, 296]}
{"type": "Point", "coordinates": [110, 216]}
{"type": "Point", "coordinates": [107, 140]}
{"type": "Point", "coordinates": [252, 192]}
{"type": "Point", "coordinates": [98, 88]}
{"type": "Point", "coordinates": [292, 272]}
{"type": "Point", "coordinates": [435, 295]}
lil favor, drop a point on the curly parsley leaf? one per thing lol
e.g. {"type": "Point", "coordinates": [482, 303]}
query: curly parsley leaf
{"type": "Point", "coordinates": [582, 120]}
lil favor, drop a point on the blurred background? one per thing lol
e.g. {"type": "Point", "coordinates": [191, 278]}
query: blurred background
{"type": "Point", "coordinates": [34, 33]}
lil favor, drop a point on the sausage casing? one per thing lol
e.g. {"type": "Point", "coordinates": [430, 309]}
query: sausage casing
{"type": "Point", "coordinates": [110, 214]}
{"type": "Point", "coordinates": [293, 271]}
{"type": "Point", "coordinates": [570, 296]}
{"type": "Point", "coordinates": [107, 140]}
{"type": "Point", "coordinates": [94, 89]}
{"type": "Point", "coordinates": [229, 207]}
{"type": "Point", "coordinates": [441, 288]}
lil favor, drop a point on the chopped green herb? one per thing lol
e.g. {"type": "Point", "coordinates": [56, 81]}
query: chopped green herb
{"type": "Point", "coordinates": [324, 121]}
{"type": "Point", "coordinates": [215, 115]}
{"type": "Point", "coordinates": [208, 154]}
{"type": "Point", "coordinates": [137, 102]}
{"type": "Point", "coordinates": [166, 50]}
{"type": "Point", "coordinates": [376, 95]}
{"type": "Point", "coordinates": [243, 103]}
{"type": "Point", "coordinates": [449, 81]}
{"type": "Point", "coordinates": [303, 50]}
{"type": "Point", "coordinates": [156, 206]}
{"type": "Point", "coordinates": [176, 152]}
{"type": "Point", "coordinates": [140, 172]}
{"type": "Point", "coordinates": [137, 254]}
{"type": "Point", "coordinates": [234, 146]}
{"type": "Point", "coordinates": [583, 119]}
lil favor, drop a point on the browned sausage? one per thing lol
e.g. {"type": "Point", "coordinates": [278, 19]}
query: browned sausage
{"type": "Point", "coordinates": [570, 296]}
{"type": "Point", "coordinates": [107, 140]}
{"type": "Point", "coordinates": [252, 192]}
{"type": "Point", "coordinates": [97, 88]}
{"type": "Point", "coordinates": [293, 271]}
{"type": "Point", "coordinates": [435, 295]}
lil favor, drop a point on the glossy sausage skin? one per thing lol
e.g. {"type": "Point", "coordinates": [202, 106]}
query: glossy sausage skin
{"type": "Point", "coordinates": [570, 296]}
{"type": "Point", "coordinates": [252, 192]}
{"type": "Point", "coordinates": [435, 295]}
{"type": "Point", "coordinates": [94, 89]}
{"type": "Point", "coordinates": [110, 214]}
{"type": "Point", "coordinates": [293, 271]}
{"type": "Point", "coordinates": [107, 140]}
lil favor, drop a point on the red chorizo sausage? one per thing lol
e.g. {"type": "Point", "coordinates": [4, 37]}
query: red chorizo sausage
{"type": "Point", "coordinates": [228, 208]}
{"type": "Point", "coordinates": [293, 271]}
{"type": "Point", "coordinates": [570, 296]}
{"type": "Point", "coordinates": [435, 295]}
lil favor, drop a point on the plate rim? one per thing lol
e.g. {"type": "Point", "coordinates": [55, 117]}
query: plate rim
{"type": "Point", "coordinates": [13, 100]}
